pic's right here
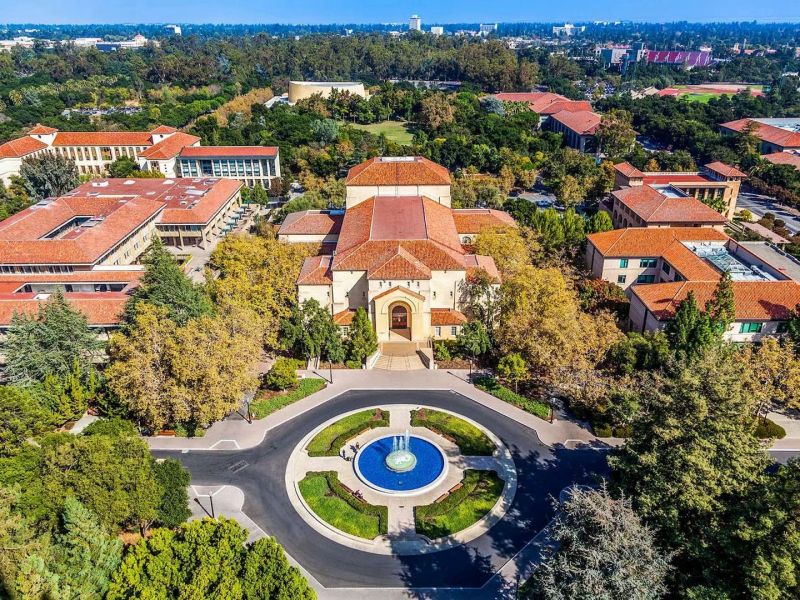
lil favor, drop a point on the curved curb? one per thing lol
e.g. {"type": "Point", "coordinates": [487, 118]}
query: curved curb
{"type": "Point", "coordinates": [406, 547]}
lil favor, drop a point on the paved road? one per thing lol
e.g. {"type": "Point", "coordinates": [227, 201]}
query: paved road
{"type": "Point", "coordinates": [759, 204]}
{"type": "Point", "coordinates": [543, 472]}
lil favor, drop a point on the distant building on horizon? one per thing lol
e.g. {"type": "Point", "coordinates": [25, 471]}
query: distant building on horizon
{"type": "Point", "coordinates": [437, 30]}
{"type": "Point", "coordinates": [487, 29]}
{"type": "Point", "coordinates": [175, 29]}
{"type": "Point", "coordinates": [567, 29]}
{"type": "Point", "coordinates": [415, 23]}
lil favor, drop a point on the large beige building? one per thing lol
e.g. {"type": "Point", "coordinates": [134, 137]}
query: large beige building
{"type": "Point", "coordinates": [396, 250]}
{"type": "Point", "coordinates": [300, 90]}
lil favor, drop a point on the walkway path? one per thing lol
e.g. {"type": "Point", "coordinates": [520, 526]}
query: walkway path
{"type": "Point", "coordinates": [235, 433]}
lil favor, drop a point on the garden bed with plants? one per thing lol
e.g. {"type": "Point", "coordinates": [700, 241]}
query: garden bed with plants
{"type": "Point", "coordinates": [463, 507]}
{"type": "Point", "coordinates": [469, 439]}
{"type": "Point", "coordinates": [267, 402]}
{"type": "Point", "coordinates": [490, 385]}
{"type": "Point", "coordinates": [337, 506]}
{"type": "Point", "coordinates": [330, 440]}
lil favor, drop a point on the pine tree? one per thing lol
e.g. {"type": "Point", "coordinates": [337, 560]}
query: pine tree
{"type": "Point", "coordinates": [165, 284]}
{"type": "Point", "coordinates": [362, 340]}
{"type": "Point", "coordinates": [690, 332]}
{"type": "Point", "coordinates": [721, 309]}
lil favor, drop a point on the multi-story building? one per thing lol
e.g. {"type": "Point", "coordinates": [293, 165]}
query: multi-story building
{"type": "Point", "coordinates": [157, 150]}
{"type": "Point", "coordinates": [397, 250]}
{"type": "Point", "coordinates": [568, 29]}
{"type": "Point", "coordinates": [545, 104]}
{"type": "Point", "coordinates": [415, 23]}
{"type": "Point", "coordinates": [250, 164]}
{"type": "Point", "coordinates": [300, 90]}
{"type": "Point", "coordinates": [716, 183]}
{"type": "Point", "coordinates": [577, 127]}
{"type": "Point", "coordinates": [658, 268]}
{"type": "Point", "coordinates": [775, 135]}
{"type": "Point", "coordinates": [784, 158]}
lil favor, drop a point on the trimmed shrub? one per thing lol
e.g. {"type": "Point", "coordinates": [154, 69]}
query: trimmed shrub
{"type": "Point", "coordinates": [441, 350]}
{"type": "Point", "coordinates": [767, 429]}
{"type": "Point", "coordinates": [268, 402]}
{"type": "Point", "coordinates": [114, 427]}
{"type": "Point", "coordinates": [381, 512]}
{"type": "Point", "coordinates": [328, 441]}
{"type": "Point", "coordinates": [535, 407]}
{"type": "Point", "coordinates": [352, 364]}
{"type": "Point", "coordinates": [282, 375]}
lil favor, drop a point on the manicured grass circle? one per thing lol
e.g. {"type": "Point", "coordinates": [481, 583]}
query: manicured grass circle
{"type": "Point", "coordinates": [469, 439]}
{"type": "Point", "coordinates": [330, 440]}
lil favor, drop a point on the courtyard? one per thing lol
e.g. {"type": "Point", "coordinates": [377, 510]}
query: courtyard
{"type": "Point", "coordinates": [265, 474]}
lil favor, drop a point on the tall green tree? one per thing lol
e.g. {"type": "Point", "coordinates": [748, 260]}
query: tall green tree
{"type": "Point", "coordinates": [173, 479]}
{"type": "Point", "coordinates": [691, 331]}
{"type": "Point", "coordinates": [48, 175]}
{"type": "Point", "coordinates": [22, 416]}
{"type": "Point", "coordinates": [50, 343]}
{"type": "Point", "coordinates": [721, 308]}
{"type": "Point", "coordinates": [473, 339]}
{"type": "Point", "coordinates": [311, 333]}
{"type": "Point", "coordinates": [361, 340]}
{"type": "Point", "coordinates": [603, 551]}
{"type": "Point", "coordinates": [165, 284]}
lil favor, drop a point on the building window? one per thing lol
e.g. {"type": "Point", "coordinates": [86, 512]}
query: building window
{"type": "Point", "coordinates": [438, 331]}
{"type": "Point", "coordinates": [345, 329]}
{"type": "Point", "coordinates": [666, 268]}
{"type": "Point", "coordinates": [750, 328]}
{"type": "Point", "coordinates": [621, 278]}
{"type": "Point", "coordinates": [648, 263]}
{"type": "Point", "coordinates": [454, 330]}
{"type": "Point", "coordinates": [623, 263]}
{"type": "Point", "coordinates": [645, 279]}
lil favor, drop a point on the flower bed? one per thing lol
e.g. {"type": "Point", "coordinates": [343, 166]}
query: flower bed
{"type": "Point", "coordinates": [330, 440]}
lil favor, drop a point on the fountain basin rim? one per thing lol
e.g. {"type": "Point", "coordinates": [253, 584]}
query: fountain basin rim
{"type": "Point", "coordinates": [414, 492]}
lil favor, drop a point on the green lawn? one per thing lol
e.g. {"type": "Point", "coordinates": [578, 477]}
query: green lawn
{"type": "Point", "coordinates": [335, 505]}
{"type": "Point", "coordinates": [469, 439]}
{"type": "Point", "coordinates": [703, 98]}
{"type": "Point", "coordinates": [395, 131]}
{"type": "Point", "coordinates": [491, 386]}
{"type": "Point", "coordinates": [462, 508]}
{"type": "Point", "coordinates": [330, 440]}
{"type": "Point", "coordinates": [268, 403]}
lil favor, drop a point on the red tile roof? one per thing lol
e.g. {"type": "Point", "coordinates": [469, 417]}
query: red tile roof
{"type": "Point", "coordinates": [10, 284]}
{"type": "Point", "coordinates": [20, 147]}
{"type": "Point", "coordinates": [582, 122]}
{"type": "Point", "coordinates": [725, 170]}
{"type": "Point", "coordinates": [475, 262]}
{"type": "Point", "coordinates": [628, 170]}
{"type": "Point", "coordinates": [345, 317]}
{"type": "Point", "coordinates": [103, 138]}
{"type": "Point", "coordinates": [446, 316]}
{"type": "Point", "coordinates": [654, 207]}
{"type": "Point", "coordinates": [316, 270]}
{"type": "Point", "coordinates": [768, 133]}
{"type": "Point", "coordinates": [312, 222]}
{"type": "Point", "coordinates": [40, 129]}
{"type": "Point", "coordinates": [753, 300]}
{"type": "Point", "coordinates": [169, 147]}
{"type": "Point", "coordinates": [784, 158]}
{"type": "Point", "coordinates": [101, 309]}
{"type": "Point", "coordinates": [163, 129]}
{"type": "Point", "coordinates": [545, 103]}
{"type": "Point", "coordinates": [649, 242]}
{"type": "Point", "coordinates": [473, 220]}
{"type": "Point", "coordinates": [399, 288]}
{"type": "Point", "coordinates": [675, 178]}
{"type": "Point", "coordinates": [411, 170]}
{"type": "Point", "coordinates": [224, 151]}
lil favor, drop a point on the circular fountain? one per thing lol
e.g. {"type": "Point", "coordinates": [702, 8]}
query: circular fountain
{"type": "Point", "coordinates": [404, 464]}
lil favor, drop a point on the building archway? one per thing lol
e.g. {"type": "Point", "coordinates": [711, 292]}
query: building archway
{"type": "Point", "coordinates": [400, 319]}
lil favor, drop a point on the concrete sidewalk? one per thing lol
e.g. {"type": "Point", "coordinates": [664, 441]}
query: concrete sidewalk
{"type": "Point", "coordinates": [235, 433]}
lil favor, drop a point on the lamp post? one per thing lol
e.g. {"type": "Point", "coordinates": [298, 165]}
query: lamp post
{"type": "Point", "coordinates": [211, 501]}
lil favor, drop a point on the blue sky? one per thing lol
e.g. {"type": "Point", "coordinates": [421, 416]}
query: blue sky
{"type": "Point", "coordinates": [380, 11]}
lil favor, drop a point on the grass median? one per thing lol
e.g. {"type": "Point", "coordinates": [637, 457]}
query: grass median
{"type": "Point", "coordinates": [469, 439]}
{"type": "Point", "coordinates": [330, 440]}
{"type": "Point", "coordinates": [464, 507]}
{"type": "Point", "coordinates": [491, 386]}
{"type": "Point", "coordinates": [335, 505]}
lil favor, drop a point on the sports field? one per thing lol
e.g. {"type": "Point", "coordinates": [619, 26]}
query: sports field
{"type": "Point", "coordinates": [395, 131]}
{"type": "Point", "coordinates": [705, 92]}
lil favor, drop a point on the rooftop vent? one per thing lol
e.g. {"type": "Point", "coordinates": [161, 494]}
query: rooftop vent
{"type": "Point", "coordinates": [128, 182]}
{"type": "Point", "coordinates": [168, 182]}
{"type": "Point", "coordinates": [41, 296]}
{"type": "Point", "coordinates": [99, 184]}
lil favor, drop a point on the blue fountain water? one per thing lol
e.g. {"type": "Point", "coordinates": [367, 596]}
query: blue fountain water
{"type": "Point", "coordinates": [371, 462]}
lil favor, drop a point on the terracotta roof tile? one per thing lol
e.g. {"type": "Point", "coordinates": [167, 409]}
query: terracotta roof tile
{"type": "Point", "coordinates": [473, 220]}
{"type": "Point", "coordinates": [649, 242]}
{"type": "Point", "coordinates": [475, 262]}
{"type": "Point", "coordinates": [582, 122]}
{"type": "Point", "coordinates": [753, 300]}
{"type": "Point", "coordinates": [386, 170]}
{"type": "Point", "coordinates": [312, 222]}
{"type": "Point", "coordinates": [401, 265]}
{"type": "Point", "coordinates": [725, 170]}
{"type": "Point", "coordinates": [345, 317]}
{"type": "Point", "coordinates": [40, 129]}
{"type": "Point", "coordinates": [784, 158]}
{"type": "Point", "coordinates": [628, 170]}
{"type": "Point", "coordinates": [316, 270]}
{"type": "Point", "coordinates": [20, 147]}
{"type": "Point", "coordinates": [545, 103]}
{"type": "Point", "coordinates": [101, 309]}
{"type": "Point", "coordinates": [103, 138]}
{"type": "Point", "coordinates": [767, 133]}
{"type": "Point", "coordinates": [163, 129]}
{"type": "Point", "coordinates": [169, 147]}
{"type": "Point", "coordinates": [401, 288]}
{"type": "Point", "coordinates": [446, 316]}
{"type": "Point", "coordinates": [654, 207]}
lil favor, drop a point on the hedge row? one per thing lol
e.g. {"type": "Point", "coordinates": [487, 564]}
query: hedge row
{"type": "Point", "coordinates": [268, 404]}
{"type": "Point", "coordinates": [535, 407]}
{"type": "Point", "coordinates": [380, 512]}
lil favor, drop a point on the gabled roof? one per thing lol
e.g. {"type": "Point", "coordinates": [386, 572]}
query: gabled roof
{"type": "Point", "coordinates": [725, 170]}
{"type": "Point", "coordinates": [649, 242]}
{"type": "Point", "coordinates": [40, 129]}
{"type": "Point", "coordinates": [398, 170]}
{"type": "Point", "coordinates": [753, 300]}
{"type": "Point", "coordinates": [473, 220]}
{"type": "Point", "coordinates": [628, 170]}
{"type": "Point", "coordinates": [400, 265]}
{"type": "Point", "coordinates": [478, 262]}
{"type": "Point", "coordinates": [316, 270]}
{"type": "Point", "coordinates": [20, 147]}
{"type": "Point", "coordinates": [169, 147]}
{"type": "Point", "coordinates": [582, 122]}
{"type": "Point", "coordinates": [101, 309]}
{"type": "Point", "coordinates": [545, 103]}
{"type": "Point", "coordinates": [163, 130]}
{"type": "Point", "coordinates": [654, 207]}
{"type": "Point", "coordinates": [766, 132]}
{"type": "Point", "coordinates": [399, 288]}
{"type": "Point", "coordinates": [345, 317]}
{"type": "Point", "coordinates": [312, 222]}
{"type": "Point", "coordinates": [784, 158]}
{"type": "Point", "coordinates": [446, 316]}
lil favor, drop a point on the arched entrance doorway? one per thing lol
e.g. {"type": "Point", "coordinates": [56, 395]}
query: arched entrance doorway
{"type": "Point", "coordinates": [400, 319]}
